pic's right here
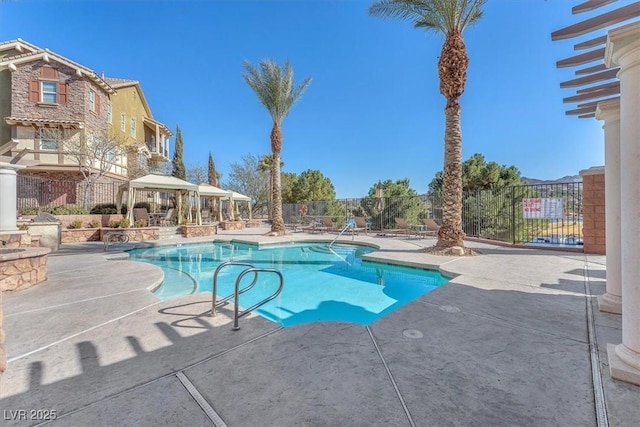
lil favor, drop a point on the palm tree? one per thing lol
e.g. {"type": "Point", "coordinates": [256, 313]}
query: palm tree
{"type": "Point", "coordinates": [451, 18]}
{"type": "Point", "coordinates": [275, 90]}
{"type": "Point", "coordinates": [266, 161]}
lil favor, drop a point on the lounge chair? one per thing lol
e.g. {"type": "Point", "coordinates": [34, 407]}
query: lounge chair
{"type": "Point", "coordinates": [403, 227]}
{"type": "Point", "coordinates": [360, 225]}
{"type": "Point", "coordinates": [430, 227]}
{"type": "Point", "coordinates": [141, 214]}
{"type": "Point", "coordinates": [170, 218]}
{"type": "Point", "coordinates": [328, 225]}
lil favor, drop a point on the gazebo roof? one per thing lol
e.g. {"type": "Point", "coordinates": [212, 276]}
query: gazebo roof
{"type": "Point", "coordinates": [207, 190]}
{"type": "Point", "coordinates": [160, 182]}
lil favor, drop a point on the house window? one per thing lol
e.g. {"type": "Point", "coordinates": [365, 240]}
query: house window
{"type": "Point", "coordinates": [49, 92]}
{"type": "Point", "coordinates": [109, 114]}
{"type": "Point", "coordinates": [123, 122]}
{"type": "Point", "coordinates": [133, 127]}
{"type": "Point", "coordinates": [92, 101]}
{"type": "Point", "coordinates": [49, 138]}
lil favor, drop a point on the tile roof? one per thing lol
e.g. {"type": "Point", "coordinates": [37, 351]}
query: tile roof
{"type": "Point", "coordinates": [116, 83]}
{"type": "Point", "coordinates": [35, 120]}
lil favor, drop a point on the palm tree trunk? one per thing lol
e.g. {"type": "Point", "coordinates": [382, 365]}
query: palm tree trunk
{"type": "Point", "coordinates": [277, 223]}
{"type": "Point", "coordinates": [452, 70]}
{"type": "Point", "coordinates": [451, 233]}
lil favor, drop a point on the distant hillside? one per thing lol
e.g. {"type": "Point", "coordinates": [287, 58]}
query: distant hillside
{"type": "Point", "coordinates": [563, 180]}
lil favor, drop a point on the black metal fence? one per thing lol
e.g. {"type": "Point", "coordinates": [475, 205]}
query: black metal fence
{"type": "Point", "coordinates": [530, 214]}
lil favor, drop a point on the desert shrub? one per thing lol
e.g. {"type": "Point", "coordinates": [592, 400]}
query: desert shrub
{"type": "Point", "coordinates": [75, 224]}
{"type": "Point", "coordinates": [141, 223]}
{"type": "Point", "coordinates": [29, 211]}
{"type": "Point", "coordinates": [124, 223]}
{"type": "Point", "coordinates": [94, 224]}
{"type": "Point", "coordinates": [104, 209]}
{"type": "Point", "coordinates": [69, 210]}
{"type": "Point", "coordinates": [23, 227]}
{"type": "Point", "coordinates": [114, 223]}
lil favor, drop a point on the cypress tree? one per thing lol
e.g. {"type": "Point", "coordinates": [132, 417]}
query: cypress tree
{"type": "Point", "coordinates": [178, 162]}
{"type": "Point", "coordinates": [213, 176]}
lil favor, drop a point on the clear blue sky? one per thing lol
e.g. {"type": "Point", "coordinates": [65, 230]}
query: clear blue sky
{"type": "Point", "coordinates": [373, 111]}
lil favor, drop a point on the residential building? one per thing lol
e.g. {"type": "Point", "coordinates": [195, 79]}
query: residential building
{"type": "Point", "coordinates": [68, 118]}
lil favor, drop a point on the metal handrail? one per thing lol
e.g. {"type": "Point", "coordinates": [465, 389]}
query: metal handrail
{"type": "Point", "coordinates": [236, 304]}
{"type": "Point", "coordinates": [340, 233]}
{"type": "Point", "coordinates": [214, 290]}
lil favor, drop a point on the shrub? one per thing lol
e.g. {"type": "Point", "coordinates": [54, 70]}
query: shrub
{"type": "Point", "coordinates": [144, 205]}
{"type": "Point", "coordinates": [94, 224]}
{"type": "Point", "coordinates": [104, 209]}
{"type": "Point", "coordinates": [29, 211]}
{"type": "Point", "coordinates": [23, 227]}
{"type": "Point", "coordinates": [141, 223]}
{"type": "Point", "coordinates": [75, 224]}
{"type": "Point", "coordinates": [114, 223]}
{"type": "Point", "coordinates": [68, 210]}
{"type": "Point", "coordinates": [124, 223]}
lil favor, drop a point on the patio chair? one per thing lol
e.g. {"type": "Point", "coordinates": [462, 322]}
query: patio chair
{"type": "Point", "coordinates": [431, 227]}
{"type": "Point", "coordinates": [360, 225]}
{"type": "Point", "coordinates": [170, 218]}
{"type": "Point", "coordinates": [141, 214]}
{"type": "Point", "coordinates": [205, 214]}
{"type": "Point", "coordinates": [328, 225]}
{"type": "Point", "coordinates": [403, 227]}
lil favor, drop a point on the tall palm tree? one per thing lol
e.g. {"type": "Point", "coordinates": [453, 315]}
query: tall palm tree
{"type": "Point", "coordinates": [451, 18]}
{"type": "Point", "coordinates": [275, 90]}
{"type": "Point", "coordinates": [265, 166]}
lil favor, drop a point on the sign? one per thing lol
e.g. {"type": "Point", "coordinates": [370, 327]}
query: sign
{"type": "Point", "coordinates": [543, 208]}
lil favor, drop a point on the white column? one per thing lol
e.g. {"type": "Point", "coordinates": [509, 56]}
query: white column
{"type": "Point", "coordinates": [8, 191]}
{"type": "Point", "coordinates": [623, 49]}
{"type": "Point", "coordinates": [609, 111]}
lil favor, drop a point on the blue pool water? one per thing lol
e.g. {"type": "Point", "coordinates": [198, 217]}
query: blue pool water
{"type": "Point", "coordinates": [320, 283]}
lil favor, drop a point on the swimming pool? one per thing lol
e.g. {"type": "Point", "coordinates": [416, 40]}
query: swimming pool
{"type": "Point", "coordinates": [321, 283]}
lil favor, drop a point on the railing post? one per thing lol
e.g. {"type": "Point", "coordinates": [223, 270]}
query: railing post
{"type": "Point", "coordinates": [513, 215]}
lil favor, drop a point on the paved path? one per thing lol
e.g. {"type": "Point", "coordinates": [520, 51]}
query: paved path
{"type": "Point", "coordinates": [505, 343]}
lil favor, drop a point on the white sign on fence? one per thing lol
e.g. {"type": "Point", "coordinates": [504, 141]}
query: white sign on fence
{"type": "Point", "coordinates": [543, 208]}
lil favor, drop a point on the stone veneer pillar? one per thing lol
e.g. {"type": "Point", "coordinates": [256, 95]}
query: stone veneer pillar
{"type": "Point", "coordinates": [609, 111]}
{"type": "Point", "coordinates": [623, 49]}
{"type": "Point", "coordinates": [593, 211]}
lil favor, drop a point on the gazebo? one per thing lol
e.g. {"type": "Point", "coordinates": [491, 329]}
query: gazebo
{"type": "Point", "coordinates": [207, 191]}
{"type": "Point", "coordinates": [155, 182]}
{"type": "Point", "coordinates": [235, 197]}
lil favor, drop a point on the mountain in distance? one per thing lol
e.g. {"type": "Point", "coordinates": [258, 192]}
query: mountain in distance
{"type": "Point", "coordinates": [563, 180]}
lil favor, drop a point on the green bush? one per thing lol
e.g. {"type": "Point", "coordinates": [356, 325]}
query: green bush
{"type": "Point", "coordinates": [94, 224]}
{"type": "Point", "coordinates": [23, 227]}
{"type": "Point", "coordinates": [75, 224]}
{"type": "Point", "coordinates": [141, 223]}
{"type": "Point", "coordinates": [124, 223]}
{"type": "Point", "coordinates": [29, 211]}
{"type": "Point", "coordinates": [114, 223]}
{"type": "Point", "coordinates": [68, 210]}
{"type": "Point", "coordinates": [104, 209]}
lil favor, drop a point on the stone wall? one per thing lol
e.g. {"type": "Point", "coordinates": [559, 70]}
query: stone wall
{"type": "Point", "coordinates": [593, 207]}
{"type": "Point", "coordinates": [80, 235]}
{"type": "Point", "coordinates": [232, 225]}
{"type": "Point", "coordinates": [16, 239]}
{"type": "Point", "coordinates": [199, 230]}
{"type": "Point", "coordinates": [135, 234]}
{"type": "Point", "coordinates": [21, 270]}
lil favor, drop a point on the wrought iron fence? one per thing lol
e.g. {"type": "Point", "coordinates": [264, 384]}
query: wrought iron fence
{"type": "Point", "coordinates": [529, 214]}
{"type": "Point", "coordinates": [547, 214]}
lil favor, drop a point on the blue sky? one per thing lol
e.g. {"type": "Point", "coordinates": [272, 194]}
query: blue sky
{"type": "Point", "coordinates": [373, 110]}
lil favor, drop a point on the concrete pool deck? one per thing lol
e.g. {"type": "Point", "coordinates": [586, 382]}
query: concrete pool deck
{"type": "Point", "coordinates": [506, 342]}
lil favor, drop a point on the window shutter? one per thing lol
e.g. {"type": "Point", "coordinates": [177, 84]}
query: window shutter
{"type": "Point", "coordinates": [97, 103]}
{"type": "Point", "coordinates": [62, 93]}
{"type": "Point", "coordinates": [34, 91]}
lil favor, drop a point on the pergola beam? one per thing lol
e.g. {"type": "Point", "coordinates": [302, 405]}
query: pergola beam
{"type": "Point", "coordinates": [583, 58]}
{"type": "Point", "coordinates": [598, 22]}
{"type": "Point", "coordinates": [615, 84]}
{"type": "Point", "coordinates": [589, 70]}
{"type": "Point", "coordinates": [593, 94]}
{"type": "Point", "coordinates": [590, 5]}
{"type": "Point", "coordinates": [602, 40]}
{"type": "Point", "coordinates": [591, 78]}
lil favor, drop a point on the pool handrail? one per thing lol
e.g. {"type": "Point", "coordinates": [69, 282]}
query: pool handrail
{"type": "Point", "coordinates": [214, 290]}
{"type": "Point", "coordinates": [236, 303]}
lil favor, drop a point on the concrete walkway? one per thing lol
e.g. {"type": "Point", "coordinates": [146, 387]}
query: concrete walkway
{"type": "Point", "coordinates": [505, 343]}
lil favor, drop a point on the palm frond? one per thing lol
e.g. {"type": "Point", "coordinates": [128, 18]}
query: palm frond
{"type": "Point", "coordinates": [437, 15]}
{"type": "Point", "coordinates": [274, 87]}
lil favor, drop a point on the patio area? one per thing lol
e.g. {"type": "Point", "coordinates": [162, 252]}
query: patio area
{"type": "Point", "coordinates": [506, 342]}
